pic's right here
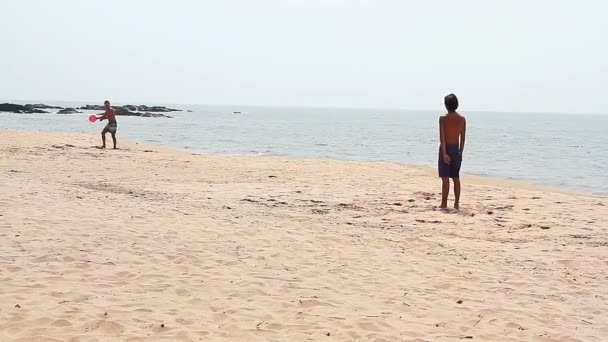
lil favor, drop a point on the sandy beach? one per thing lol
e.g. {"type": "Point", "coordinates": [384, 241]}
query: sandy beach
{"type": "Point", "coordinates": [151, 244]}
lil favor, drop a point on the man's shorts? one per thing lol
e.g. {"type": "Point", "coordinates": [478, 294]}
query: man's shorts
{"type": "Point", "coordinates": [111, 127]}
{"type": "Point", "coordinates": [451, 170]}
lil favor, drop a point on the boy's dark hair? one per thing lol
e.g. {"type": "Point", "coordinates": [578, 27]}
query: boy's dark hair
{"type": "Point", "coordinates": [451, 102]}
{"type": "Point", "coordinates": [106, 102]}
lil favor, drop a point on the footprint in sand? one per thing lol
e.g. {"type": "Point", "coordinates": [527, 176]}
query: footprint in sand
{"type": "Point", "coordinates": [309, 303]}
{"type": "Point", "coordinates": [183, 321]}
{"type": "Point", "coordinates": [443, 286]}
{"type": "Point", "coordinates": [515, 326]}
{"type": "Point", "coordinates": [106, 327]}
{"type": "Point", "coordinates": [183, 292]}
{"type": "Point", "coordinates": [61, 323]}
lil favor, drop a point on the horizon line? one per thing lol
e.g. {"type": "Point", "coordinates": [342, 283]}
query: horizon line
{"type": "Point", "coordinates": [48, 101]}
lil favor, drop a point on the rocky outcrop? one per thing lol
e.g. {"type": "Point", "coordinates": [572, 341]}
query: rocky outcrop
{"type": "Point", "coordinates": [16, 108]}
{"type": "Point", "coordinates": [128, 110]}
{"type": "Point", "coordinates": [133, 108]}
{"type": "Point", "coordinates": [154, 115]}
{"type": "Point", "coordinates": [123, 111]}
{"type": "Point", "coordinates": [42, 106]}
{"type": "Point", "coordinates": [156, 109]}
{"type": "Point", "coordinates": [68, 111]}
{"type": "Point", "coordinates": [92, 107]}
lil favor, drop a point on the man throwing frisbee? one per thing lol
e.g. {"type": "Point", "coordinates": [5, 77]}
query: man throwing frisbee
{"type": "Point", "coordinates": [112, 125]}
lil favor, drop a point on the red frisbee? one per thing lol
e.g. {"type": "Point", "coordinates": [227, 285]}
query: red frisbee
{"type": "Point", "coordinates": [92, 118]}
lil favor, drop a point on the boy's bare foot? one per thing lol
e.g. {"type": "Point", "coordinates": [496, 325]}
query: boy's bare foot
{"type": "Point", "coordinates": [456, 206]}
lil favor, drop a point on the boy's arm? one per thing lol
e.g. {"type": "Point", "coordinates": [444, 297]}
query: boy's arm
{"type": "Point", "coordinates": [442, 135]}
{"type": "Point", "coordinates": [463, 136]}
{"type": "Point", "coordinates": [102, 116]}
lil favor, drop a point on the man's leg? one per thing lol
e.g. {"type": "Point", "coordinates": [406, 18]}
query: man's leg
{"type": "Point", "coordinates": [456, 192]}
{"type": "Point", "coordinates": [114, 139]}
{"type": "Point", "coordinates": [103, 138]}
{"type": "Point", "coordinates": [445, 191]}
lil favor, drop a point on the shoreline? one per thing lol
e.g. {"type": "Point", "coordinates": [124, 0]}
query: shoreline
{"type": "Point", "coordinates": [478, 179]}
{"type": "Point", "coordinates": [149, 242]}
{"type": "Point", "coordinates": [431, 171]}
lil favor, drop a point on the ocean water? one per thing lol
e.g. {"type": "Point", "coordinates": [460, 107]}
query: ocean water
{"type": "Point", "coordinates": [562, 150]}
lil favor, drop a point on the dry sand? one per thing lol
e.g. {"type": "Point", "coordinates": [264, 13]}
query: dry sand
{"type": "Point", "coordinates": [148, 243]}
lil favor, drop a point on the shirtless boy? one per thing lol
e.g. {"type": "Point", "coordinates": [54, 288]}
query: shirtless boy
{"type": "Point", "coordinates": [112, 125]}
{"type": "Point", "coordinates": [452, 131]}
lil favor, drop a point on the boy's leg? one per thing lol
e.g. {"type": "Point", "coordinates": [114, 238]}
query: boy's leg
{"type": "Point", "coordinates": [114, 139]}
{"type": "Point", "coordinates": [456, 158]}
{"type": "Point", "coordinates": [445, 191]}
{"type": "Point", "coordinates": [103, 138]}
{"type": "Point", "coordinates": [456, 192]}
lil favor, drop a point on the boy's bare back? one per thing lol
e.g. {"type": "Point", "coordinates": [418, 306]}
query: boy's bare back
{"type": "Point", "coordinates": [454, 125]}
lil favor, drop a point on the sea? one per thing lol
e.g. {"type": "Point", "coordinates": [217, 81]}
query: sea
{"type": "Point", "coordinates": [568, 151]}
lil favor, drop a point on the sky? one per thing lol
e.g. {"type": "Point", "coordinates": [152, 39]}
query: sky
{"type": "Point", "coordinates": [517, 55]}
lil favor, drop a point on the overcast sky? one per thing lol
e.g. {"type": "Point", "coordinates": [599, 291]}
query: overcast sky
{"type": "Point", "coordinates": [517, 55]}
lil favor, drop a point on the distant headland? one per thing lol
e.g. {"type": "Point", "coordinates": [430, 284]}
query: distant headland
{"type": "Point", "coordinates": [126, 110]}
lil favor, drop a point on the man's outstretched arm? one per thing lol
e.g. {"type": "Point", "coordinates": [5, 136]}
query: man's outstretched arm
{"type": "Point", "coordinates": [102, 116]}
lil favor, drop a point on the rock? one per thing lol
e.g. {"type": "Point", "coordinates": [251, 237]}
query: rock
{"type": "Point", "coordinates": [68, 111]}
{"type": "Point", "coordinates": [93, 107]}
{"type": "Point", "coordinates": [16, 108]}
{"type": "Point", "coordinates": [128, 110]}
{"type": "Point", "coordinates": [154, 115]}
{"type": "Point", "coordinates": [132, 110]}
{"type": "Point", "coordinates": [42, 106]}
{"type": "Point", "coordinates": [157, 109]}
{"type": "Point", "coordinates": [123, 111]}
